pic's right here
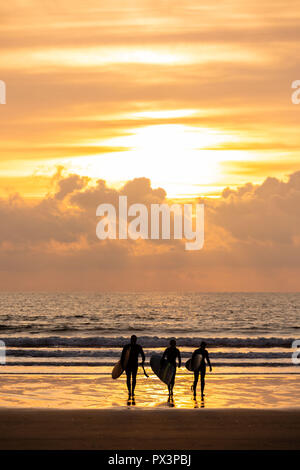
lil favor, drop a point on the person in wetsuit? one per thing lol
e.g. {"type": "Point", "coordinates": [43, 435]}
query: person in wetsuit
{"type": "Point", "coordinates": [132, 364]}
{"type": "Point", "coordinates": [171, 354]}
{"type": "Point", "coordinates": [201, 369]}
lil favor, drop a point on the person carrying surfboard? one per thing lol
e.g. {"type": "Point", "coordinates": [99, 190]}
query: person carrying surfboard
{"type": "Point", "coordinates": [171, 354]}
{"type": "Point", "coordinates": [204, 357]}
{"type": "Point", "coordinates": [129, 362]}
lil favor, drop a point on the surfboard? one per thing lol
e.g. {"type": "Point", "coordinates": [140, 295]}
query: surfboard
{"type": "Point", "coordinates": [163, 369]}
{"type": "Point", "coordinates": [118, 369]}
{"type": "Point", "coordinates": [194, 364]}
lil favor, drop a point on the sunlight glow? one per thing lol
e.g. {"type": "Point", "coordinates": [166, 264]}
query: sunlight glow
{"type": "Point", "coordinates": [93, 56]}
{"type": "Point", "coordinates": [171, 155]}
{"type": "Point", "coordinates": [165, 113]}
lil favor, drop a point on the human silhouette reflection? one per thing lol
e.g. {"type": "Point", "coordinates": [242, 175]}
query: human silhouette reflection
{"type": "Point", "coordinates": [196, 404]}
{"type": "Point", "coordinates": [171, 402]}
{"type": "Point", "coordinates": [131, 402]}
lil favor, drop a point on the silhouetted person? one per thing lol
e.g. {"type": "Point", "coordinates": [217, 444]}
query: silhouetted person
{"type": "Point", "coordinates": [171, 354]}
{"type": "Point", "coordinates": [132, 364]}
{"type": "Point", "coordinates": [201, 369]}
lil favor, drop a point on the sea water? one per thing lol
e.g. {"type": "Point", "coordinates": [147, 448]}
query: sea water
{"type": "Point", "coordinates": [61, 347]}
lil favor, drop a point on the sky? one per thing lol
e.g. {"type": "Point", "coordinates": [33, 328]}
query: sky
{"type": "Point", "coordinates": [168, 100]}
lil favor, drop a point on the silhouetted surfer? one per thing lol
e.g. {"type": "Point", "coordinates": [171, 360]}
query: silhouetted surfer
{"type": "Point", "coordinates": [171, 354]}
{"type": "Point", "coordinates": [202, 368]}
{"type": "Point", "coordinates": [129, 361]}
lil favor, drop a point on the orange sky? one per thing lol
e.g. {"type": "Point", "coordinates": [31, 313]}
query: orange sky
{"type": "Point", "coordinates": [193, 95]}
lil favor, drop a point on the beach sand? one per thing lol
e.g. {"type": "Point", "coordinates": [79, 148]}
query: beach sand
{"type": "Point", "coordinates": [91, 412]}
{"type": "Point", "coordinates": [149, 429]}
{"type": "Point", "coordinates": [100, 391]}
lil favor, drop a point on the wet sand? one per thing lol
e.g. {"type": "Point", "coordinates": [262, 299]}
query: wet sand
{"type": "Point", "coordinates": [100, 391]}
{"type": "Point", "coordinates": [150, 429]}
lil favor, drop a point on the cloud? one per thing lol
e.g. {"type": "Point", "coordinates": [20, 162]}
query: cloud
{"type": "Point", "coordinates": [262, 213]}
{"type": "Point", "coordinates": [252, 240]}
{"type": "Point", "coordinates": [71, 95]}
{"type": "Point", "coordinates": [233, 64]}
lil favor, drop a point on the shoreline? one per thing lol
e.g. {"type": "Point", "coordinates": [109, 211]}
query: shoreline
{"type": "Point", "coordinates": [93, 391]}
{"type": "Point", "coordinates": [178, 374]}
{"type": "Point", "coordinates": [142, 429]}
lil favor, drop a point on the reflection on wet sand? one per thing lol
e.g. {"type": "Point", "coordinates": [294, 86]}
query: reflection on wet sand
{"type": "Point", "coordinates": [170, 403]}
{"type": "Point", "coordinates": [99, 391]}
{"type": "Point", "coordinates": [196, 403]}
{"type": "Point", "coordinates": [131, 402]}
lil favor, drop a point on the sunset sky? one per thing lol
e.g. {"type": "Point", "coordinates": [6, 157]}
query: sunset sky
{"type": "Point", "coordinates": [192, 97]}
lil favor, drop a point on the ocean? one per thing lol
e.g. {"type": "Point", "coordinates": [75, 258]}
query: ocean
{"type": "Point", "coordinates": [85, 332]}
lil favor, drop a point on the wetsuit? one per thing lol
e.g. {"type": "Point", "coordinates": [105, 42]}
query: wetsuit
{"type": "Point", "coordinates": [132, 363]}
{"type": "Point", "coordinates": [171, 354]}
{"type": "Point", "coordinates": [201, 369]}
